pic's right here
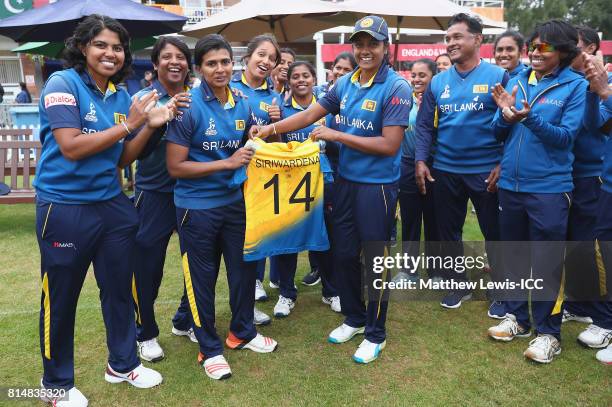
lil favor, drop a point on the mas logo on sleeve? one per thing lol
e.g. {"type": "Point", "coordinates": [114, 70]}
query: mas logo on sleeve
{"type": "Point", "coordinates": [369, 105]}
{"type": "Point", "coordinates": [60, 99]}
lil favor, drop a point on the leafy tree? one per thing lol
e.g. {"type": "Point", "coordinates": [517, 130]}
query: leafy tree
{"type": "Point", "coordinates": [525, 14]}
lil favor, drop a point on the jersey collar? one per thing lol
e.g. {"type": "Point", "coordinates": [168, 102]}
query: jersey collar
{"type": "Point", "coordinates": [239, 77]}
{"type": "Point", "coordinates": [209, 96]}
{"type": "Point", "coordinates": [89, 82]}
{"type": "Point", "coordinates": [294, 104]}
{"type": "Point", "coordinates": [379, 77]}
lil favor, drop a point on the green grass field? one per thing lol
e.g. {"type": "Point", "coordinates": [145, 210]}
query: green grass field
{"type": "Point", "coordinates": [433, 356]}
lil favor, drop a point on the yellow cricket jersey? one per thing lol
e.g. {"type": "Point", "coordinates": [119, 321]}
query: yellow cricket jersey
{"type": "Point", "coordinates": [283, 196]}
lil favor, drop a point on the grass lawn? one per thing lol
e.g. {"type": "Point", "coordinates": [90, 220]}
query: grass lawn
{"type": "Point", "coordinates": [433, 356]}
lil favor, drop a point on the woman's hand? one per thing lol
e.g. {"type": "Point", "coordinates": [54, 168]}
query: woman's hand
{"type": "Point", "coordinates": [261, 132]}
{"type": "Point", "coordinates": [597, 76]}
{"type": "Point", "coordinates": [179, 101]}
{"type": "Point", "coordinates": [274, 111]}
{"type": "Point", "coordinates": [325, 133]}
{"type": "Point", "coordinates": [522, 114]}
{"type": "Point", "coordinates": [241, 157]}
{"type": "Point", "coordinates": [158, 116]}
{"type": "Point", "coordinates": [503, 98]}
{"type": "Point", "coordinates": [139, 109]}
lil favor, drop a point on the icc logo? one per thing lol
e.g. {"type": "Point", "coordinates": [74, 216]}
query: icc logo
{"type": "Point", "coordinates": [212, 128]}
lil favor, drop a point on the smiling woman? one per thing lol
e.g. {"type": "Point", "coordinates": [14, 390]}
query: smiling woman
{"type": "Point", "coordinates": [84, 121]}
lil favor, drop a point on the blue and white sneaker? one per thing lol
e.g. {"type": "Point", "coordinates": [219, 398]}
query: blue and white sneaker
{"type": "Point", "coordinates": [497, 310]}
{"type": "Point", "coordinates": [453, 299]}
{"type": "Point", "coordinates": [368, 352]}
{"type": "Point", "coordinates": [344, 333]}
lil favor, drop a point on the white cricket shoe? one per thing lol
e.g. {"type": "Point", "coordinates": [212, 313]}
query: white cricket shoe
{"type": "Point", "coordinates": [260, 317]}
{"type": "Point", "coordinates": [216, 367]}
{"type": "Point", "coordinates": [507, 329]}
{"type": "Point", "coordinates": [344, 333]}
{"type": "Point", "coordinates": [605, 355]}
{"type": "Point", "coordinates": [283, 307]}
{"type": "Point", "coordinates": [543, 349]}
{"type": "Point", "coordinates": [333, 302]}
{"type": "Point", "coordinates": [260, 292]}
{"type": "Point", "coordinates": [189, 333]}
{"type": "Point", "coordinates": [141, 377]}
{"type": "Point", "coordinates": [71, 398]}
{"type": "Point", "coordinates": [368, 351]}
{"type": "Point", "coordinates": [595, 337]}
{"type": "Point", "coordinates": [259, 344]}
{"type": "Point", "coordinates": [150, 350]}
{"type": "Point", "coordinates": [568, 316]}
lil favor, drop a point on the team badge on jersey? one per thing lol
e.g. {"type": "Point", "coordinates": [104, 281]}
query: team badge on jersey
{"type": "Point", "coordinates": [480, 89]}
{"type": "Point", "coordinates": [369, 105]}
{"type": "Point", "coordinates": [446, 93]}
{"type": "Point", "coordinates": [240, 125]}
{"type": "Point", "coordinates": [119, 118]}
{"type": "Point", "coordinates": [212, 128]}
{"type": "Point", "coordinates": [263, 106]}
{"type": "Point", "coordinates": [91, 116]}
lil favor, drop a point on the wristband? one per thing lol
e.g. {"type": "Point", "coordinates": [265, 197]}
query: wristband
{"type": "Point", "coordinates": [126, 127]}
{"type": "Point", "coordinates": [274, 128]}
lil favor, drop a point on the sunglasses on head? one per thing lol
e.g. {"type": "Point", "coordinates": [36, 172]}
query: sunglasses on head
{"type": "Point", "coordinates": [542, 47]}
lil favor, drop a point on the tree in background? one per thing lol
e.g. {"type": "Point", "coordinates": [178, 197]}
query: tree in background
{"type": "Point", "coordinates": [525, 14]}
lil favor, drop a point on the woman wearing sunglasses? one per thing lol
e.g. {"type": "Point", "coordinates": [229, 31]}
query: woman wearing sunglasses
{"type": "Point", "coordinates": [540, 114]}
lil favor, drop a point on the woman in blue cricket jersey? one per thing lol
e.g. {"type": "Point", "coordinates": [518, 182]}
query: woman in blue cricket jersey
{"type": "Point", "coordinates": [416, 209]}
{"type": "Point", "coordinates": [508, 50]}
{"type": "Point", "coordinates": [82, 216]}
{"type": "Point", "coordinates": [343, 63]}
{"type": "Point", "coordinates": [262, 56]}
{"type": "Point", "coordinates": [582, 282]}
{"type": "Point", "coordinates": [599, 116]}
{"type": "Point", "coordinates": [301, 79]}
{"type": "Point", "coordinates": [535, 186]}
{"type": "Point", "coordinates": [373, 106]}
{"type": "Point", "coordinates": [279, 74]}
{"type": "Point", "coordinates": [203, 151]}
{"type": "Point", "coordinates": [154, 201]}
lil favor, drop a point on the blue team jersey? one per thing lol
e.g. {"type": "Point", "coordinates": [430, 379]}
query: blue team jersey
{"type": "Point", "coordinates": [258, 99]}
{"type": "Point", "coordinates": [590, 144]}
{"type": "Point", "coordinates": [597, 114]}
{"type": "Point", "coordinates": [211, 132]}
{"type": "Point", "coordinates": [290, 108]}
{"type": "Point", "coordinates": [519, 68]}
{"type": "Point", "coordinates": [151, 171]}
{"type": "Point", "coordinates": [73, 100]}
{"type": "Point", "coordinates": [538, 150]}
{"type": "Point", "coordinates": [409, 142]}
{"type": "Point", "coordinates": [466, 144]}
{"type": "Point", "coordinates": [363, 110]}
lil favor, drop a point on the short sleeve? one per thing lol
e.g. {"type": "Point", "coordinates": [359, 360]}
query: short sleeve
{"type": "Point", "coordinates": [397, 106]}
{"type": "Point", "coordinates": [61, 104]}
{"type": "Point", "coordinates": [331, 101]}
{"type": "Point", "coordinates": [180, 130]}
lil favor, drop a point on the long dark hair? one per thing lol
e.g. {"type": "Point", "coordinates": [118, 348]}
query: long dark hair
{"type": "Point", "coordinates": [178, 43]}
{"type": "Point", "coordinates": [256, 42]}
{"type": "Point", "coordinates": [515, 35]}
{"type": "Point", "coordinates": [86, 31]}
{"type": "Point", "coordinates": [560, 34]}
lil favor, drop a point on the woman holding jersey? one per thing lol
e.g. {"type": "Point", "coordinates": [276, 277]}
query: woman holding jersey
{"type": "Point", "coordinates": [365, 192]}
{"type": "Point", "coordinates": [210, 211]}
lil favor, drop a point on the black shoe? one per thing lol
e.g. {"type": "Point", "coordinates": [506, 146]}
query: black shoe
{"type": "Point", "coordinates": [312, 278]}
